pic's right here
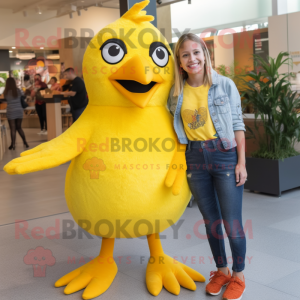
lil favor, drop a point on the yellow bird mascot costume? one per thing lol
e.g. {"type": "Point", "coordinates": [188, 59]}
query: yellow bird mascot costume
{"type": "Point", "coordinates": [126, 166]}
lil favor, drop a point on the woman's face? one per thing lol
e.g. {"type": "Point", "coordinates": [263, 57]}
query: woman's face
{"type": "Point", "coordinates": [52, 81]}
{"type": "Point", "coordinates": [191, 57]}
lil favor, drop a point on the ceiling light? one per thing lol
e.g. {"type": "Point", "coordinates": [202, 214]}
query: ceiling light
{"type": "Point", "coordinates": [70, 15]}
{"type": "Point", "coordinates": [25, 56]}
{"type": "Point", "coordinates": [79, 12]}
{"type": "Point", "coordinates": [41, 47]}
{"type": "Point", "coordinates": [53, 56]}
{"type": "Point", "coordinates": [10, 51]}
{"type": "Point", "coordinates": [38, 10]}
{"type": "Point", "coordinates": [13, 47]}
{"type": "Point", "coordinates": [25, 13]}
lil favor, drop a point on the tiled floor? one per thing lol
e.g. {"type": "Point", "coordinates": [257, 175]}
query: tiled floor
{"type": "Point", "coordinates": [273, 241]}
{"type": "Point", "coordinates": [31, 195]}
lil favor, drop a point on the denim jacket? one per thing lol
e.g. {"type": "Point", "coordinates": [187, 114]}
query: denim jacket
{"type": "Point", "coordinates": [224, 105]}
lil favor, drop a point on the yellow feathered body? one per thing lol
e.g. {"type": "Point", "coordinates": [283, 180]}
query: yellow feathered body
{"type": "Point", "coordinates": [131, 189]}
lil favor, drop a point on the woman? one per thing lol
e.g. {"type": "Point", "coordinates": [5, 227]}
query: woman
{"type": "Point", "coordinates": [54, 85]}
{"type": "Point", "coordinates": [208, 118]}
{"type": "Point", "coordinates": [27, 82]}
{"type": "Point", "coordinates": [14, 111]}
{"type": "Point", "coordinates": [40, 105]}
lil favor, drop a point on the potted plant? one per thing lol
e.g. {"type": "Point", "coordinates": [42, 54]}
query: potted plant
{"type": "Point", "coordinates": [275, 166]}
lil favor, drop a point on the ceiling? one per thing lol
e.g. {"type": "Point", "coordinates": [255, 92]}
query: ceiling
{"type": "Point", "coordinates": [63, 7]}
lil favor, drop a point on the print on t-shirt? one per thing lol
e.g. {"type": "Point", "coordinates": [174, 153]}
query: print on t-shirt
{"type": "Point", "coordinates": [196, 118]}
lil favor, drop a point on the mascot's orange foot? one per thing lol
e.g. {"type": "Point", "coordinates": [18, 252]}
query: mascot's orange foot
{"type": "Point", "coordinates": [163, 270]}
{"type": "Point", "coordinates": [95, 276]}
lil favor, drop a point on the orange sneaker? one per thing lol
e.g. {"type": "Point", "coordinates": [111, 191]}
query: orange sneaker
{"type": "Point", "coordinates": [217, 280]}
{"type": "Point", "coordinates": [235, 289]}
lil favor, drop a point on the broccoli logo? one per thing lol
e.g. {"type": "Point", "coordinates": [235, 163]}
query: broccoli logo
{"type": "Point", "coordinates": [94, 165]}
{"type": "Point", "coordinates": [39, 258]}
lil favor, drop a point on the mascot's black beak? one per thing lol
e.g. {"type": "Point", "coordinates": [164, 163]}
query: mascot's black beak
{"type": "Point", "coordinates": [136, 80]}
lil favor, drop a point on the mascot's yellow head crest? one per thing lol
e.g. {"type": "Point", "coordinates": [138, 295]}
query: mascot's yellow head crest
{"type": "Point", "coordinates": [129, 63]}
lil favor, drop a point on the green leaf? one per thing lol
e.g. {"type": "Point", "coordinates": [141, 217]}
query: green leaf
{"type": "Point", "coordinates": [276, 105]}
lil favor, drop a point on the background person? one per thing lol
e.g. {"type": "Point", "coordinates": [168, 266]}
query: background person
{"type": "Point", "coordinates": [27, 82]}
{"type": "Point", "coordinates": [54, 85]}
{"type": "Point", "coordinates": [14, 111]}
{"type": "Point", "coordinates": [27, 89]}
{"type": "Point", "coordinates": [66, 85]}
{"type": "Point", "coordinates": [40, 105]}
{"type": "Point", "coordinates": [78, 96]}
{"type": "Point", "coordinates": [207, 116]}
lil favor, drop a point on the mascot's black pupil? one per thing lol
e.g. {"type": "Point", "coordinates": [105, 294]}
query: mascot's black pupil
{"type": "Point", "coordinates": [160, 54]}
{"type": "Point", "coordinates": [114, 50]}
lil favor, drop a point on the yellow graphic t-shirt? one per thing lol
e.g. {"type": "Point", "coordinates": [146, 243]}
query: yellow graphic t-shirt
{"type": "Point", "coordinates": [195, 115]}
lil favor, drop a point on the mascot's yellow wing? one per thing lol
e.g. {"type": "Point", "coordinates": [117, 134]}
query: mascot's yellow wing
{"type": "Point", "coordinates": [177, 171]}
{"type": "Point", "coordinates": [57, 151]}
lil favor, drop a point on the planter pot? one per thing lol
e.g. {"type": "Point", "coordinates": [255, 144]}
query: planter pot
{"type": "Point", "coordinates": [272, 176]}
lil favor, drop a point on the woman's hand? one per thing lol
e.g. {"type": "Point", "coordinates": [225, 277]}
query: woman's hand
{"type": "Point", "coordinates": [240, 169]}
{"type": "Point", "coordinates": [240, 174]}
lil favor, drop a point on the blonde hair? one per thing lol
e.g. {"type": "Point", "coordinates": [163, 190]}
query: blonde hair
{"type": "Point", "coordinates": [181, 74]}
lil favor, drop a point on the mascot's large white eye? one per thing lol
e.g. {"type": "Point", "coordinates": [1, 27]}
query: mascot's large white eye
{"type": "Point", "coordinates": [113, 51]}
{"type": "Point", "coordinates": [159, 54]}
